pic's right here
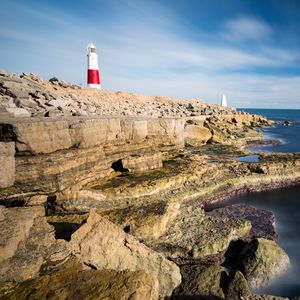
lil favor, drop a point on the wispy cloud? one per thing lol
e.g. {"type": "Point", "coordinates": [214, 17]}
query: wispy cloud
{"type": "Point", "coordinates": [246, 28]}
{"type": "Point", "coordinates": [145, 50]}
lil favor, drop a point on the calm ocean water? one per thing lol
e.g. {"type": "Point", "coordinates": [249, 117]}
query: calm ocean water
{"type": "Point", "coordinates": [284, 203]}
{"type": "Point", "coordinates": [289, 135]}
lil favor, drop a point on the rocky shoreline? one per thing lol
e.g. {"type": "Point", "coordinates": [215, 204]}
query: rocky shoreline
{"type": "Point", "coordinates": [110, 201]}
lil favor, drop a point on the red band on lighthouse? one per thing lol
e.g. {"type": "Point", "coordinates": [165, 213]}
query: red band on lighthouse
{"type": "Point", "coordinates": [93, 75]}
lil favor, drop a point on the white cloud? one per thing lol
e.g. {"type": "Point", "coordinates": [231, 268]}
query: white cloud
{"type": "Point", "coordinates": [150, 55]}
{"type": "Point", "coordinates": [246, 28]}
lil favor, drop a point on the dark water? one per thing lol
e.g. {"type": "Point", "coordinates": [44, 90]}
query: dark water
{"type": "Point", "coordinates": [285, 203]}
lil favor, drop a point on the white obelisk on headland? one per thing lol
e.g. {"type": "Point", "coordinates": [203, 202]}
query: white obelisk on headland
{"type": "Point", "coordinates": [93, 77]}
{"type": "Point", "coordinates": [223, 101]}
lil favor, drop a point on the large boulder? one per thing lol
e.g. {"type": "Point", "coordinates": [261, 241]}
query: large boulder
{"type": "Point", "coordinates": [102, 244]}
{"type": "Point", "coordinates": [27, 244]}
{"type": "Point", "coordinates": [261, 261]}
{"type": "Point", "coordinates": [201, 282]}
{"type": "Point", "coordinates": [74, 282]}
{"type": "Point", "coordinates": [262, 221]}
{"type": "Point", "coordinates": [196, 134]}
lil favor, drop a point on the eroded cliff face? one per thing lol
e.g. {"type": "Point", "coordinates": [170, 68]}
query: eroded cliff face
{"type": "Point", "coordinates": [55, 154]}
{"type": "Point", "coordinates": [98, 185]}
{"type": "Point", "coordinates": [62, 150]}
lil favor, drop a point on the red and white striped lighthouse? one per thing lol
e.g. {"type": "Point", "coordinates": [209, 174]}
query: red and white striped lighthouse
{"type": "Point", "coordinates": [93, 77]}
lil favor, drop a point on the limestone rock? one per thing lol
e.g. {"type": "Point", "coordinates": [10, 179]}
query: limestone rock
{"type": "Point", "coordinates": [7, 163]}
{"type": "Point", "coordinates": [36, 200]}
{"type": "Point", "coordinates": [141, 163]}
{"type": "Point", "coordinates": [42, 137]}
{"type": "Point", "coordinates": [262, 261]}
{"type": "Point", "coordinates": [145, 222]}
{"type": "Point", "coordinates": [237, 287]}
{"type": "Point", "coordinates": [125, 104]}
{"type": "Point", "coordinates": [27, 244]}
{"type": "Point", "coordinates": [104, 245]}
{"type": "Point", "coordinates": [28, 103]}
{"type": "Point", "coordinates": [152, 227]}
{"type": "Point", "coordinates": [262, 221]}
{"type": "Point", "coordinates": [199, 237]}
{"type": "Point", "coordinates": [196, 134]}
{"type": "Point", "coordinates": [60, 102]}
{"type": "Point", "coordinates": [18, 112]}
{"type": "Point", "coordinates": [50, 135]}
{"type": "Point", "coordinates": [218, 136]}
{"type": "Point", "coordinates": [200, 282]}
{"type": "Point", "coordinates": [73, 282]}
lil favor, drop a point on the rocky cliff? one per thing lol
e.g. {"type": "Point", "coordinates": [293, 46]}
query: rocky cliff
{"type": "Point", "coordinates": [109, 191]}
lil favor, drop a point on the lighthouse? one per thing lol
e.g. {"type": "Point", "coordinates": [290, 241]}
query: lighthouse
{"type": "Point", "coordinates": [223, 101]}
{"type": "Point", "coordinates": [93, 76]}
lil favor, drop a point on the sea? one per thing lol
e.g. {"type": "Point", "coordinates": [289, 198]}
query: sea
{"type": "Point", "coordinates": [285, 203]}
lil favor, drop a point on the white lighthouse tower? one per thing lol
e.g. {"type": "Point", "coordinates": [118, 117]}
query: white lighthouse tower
{"type": "Point", "coordinates": [93, 76]}
{"type": "Point", "coordinates": [223, 101]}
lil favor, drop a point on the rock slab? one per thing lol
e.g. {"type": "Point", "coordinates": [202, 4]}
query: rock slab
{"type": "Point", "coordinates": [73, 282]}
{"type": "Point", "coordinates": [104, 245]}
{"type": "Point", "coordinates": [27, 244]}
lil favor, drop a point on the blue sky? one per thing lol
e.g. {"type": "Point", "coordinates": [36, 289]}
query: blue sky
{"type": "Point", "coordinates": [249, 50]}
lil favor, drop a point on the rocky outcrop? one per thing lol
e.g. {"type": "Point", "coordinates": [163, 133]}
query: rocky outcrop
{"type": "Point", "coordinates": [101, 244]}
{"type": "Point", "coordinates": [27, 244]}
{"type": "Point", "coordinates": [7, 163]}
{"type": "Point", "coordinates": [41, 136]}
{"type": "Point", "coordinates": [57, 98]}
{"type": "Point", "coordinates": [262, 261]}
{"type": "Point", "coordinates": [195, 236]}
{"type": "Point", "coordinates": [69, 152]}
{"type": "Point", "coordinates": [140, 163]}
{"type": "Point", "coordinates": [262, 221]}
{"type": "Point", "coordinates": [195, 133]}
{"type": "Point", "coordinates": [75, 282]}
